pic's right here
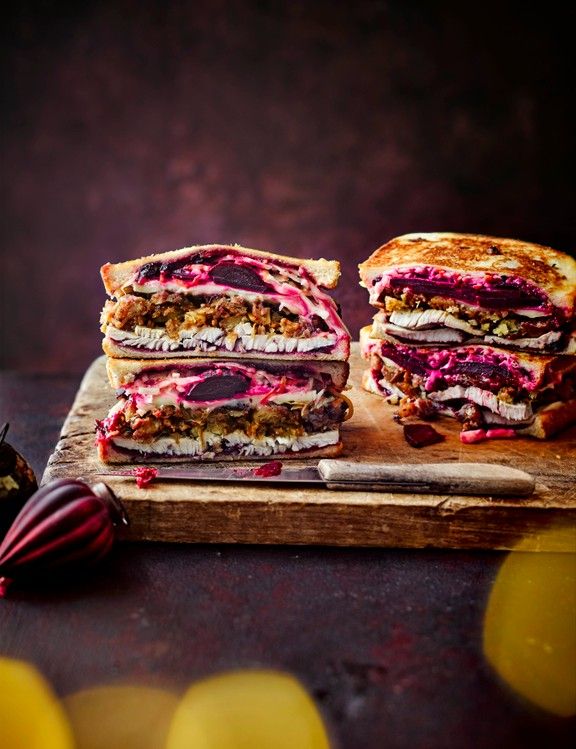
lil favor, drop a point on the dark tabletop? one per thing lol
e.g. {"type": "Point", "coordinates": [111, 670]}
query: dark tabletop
{"type": "Point", "coordinates": [389, 642]}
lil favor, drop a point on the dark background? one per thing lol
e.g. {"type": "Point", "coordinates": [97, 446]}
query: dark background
{"type": "Point", "coordinates": [314, 128]}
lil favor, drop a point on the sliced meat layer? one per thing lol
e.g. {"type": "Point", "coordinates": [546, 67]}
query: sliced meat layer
{"type": "Point", "coordinates": [485, 398]}
{"type": "Point", "coordinates": [439, 320]}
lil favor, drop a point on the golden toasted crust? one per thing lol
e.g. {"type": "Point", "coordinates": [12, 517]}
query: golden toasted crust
{"type": "Point", "coordinates": [553, 271]}
{"type": "Point", "coordinates": [108, 454]}
{"type": "Point", "coordinates": [551, 419]}
{"type": "Point", "coordinates": [369, 384]}
{"type": "Point", "coordinates": [112, 349]}
{"type": "Point", "coordinates": [365, 338]}
{"type": "Point", "coordinates": [116, 275]}
{"type": "Point", "coordinates": [121, 372]}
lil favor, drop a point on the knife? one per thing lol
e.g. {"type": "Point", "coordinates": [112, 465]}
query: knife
{"type": "Point", "coordinates": [425, 478]}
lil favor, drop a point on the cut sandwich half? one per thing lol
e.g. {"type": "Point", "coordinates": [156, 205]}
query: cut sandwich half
{"type": "Point", "coordinates": [454, 288]}
{"type": "Point", "coordinates": [482, 386]}
{"type": "Point", "coordinates": [219, 299]}
{"type": "Point", "coordinates": [199, 409]}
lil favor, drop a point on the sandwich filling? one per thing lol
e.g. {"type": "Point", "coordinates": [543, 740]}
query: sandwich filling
{"type": "Point", "coordinates": [478, 385]}
{"type": "Point", "coordinates": [431, 305]}
{"type": "Point", "coordinates": [226, 409]}
{"type": "Point", "coordinates": [225, 301]}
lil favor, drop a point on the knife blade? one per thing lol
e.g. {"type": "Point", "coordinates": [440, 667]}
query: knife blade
{"type": "Point", "coordinates": [424, 478]}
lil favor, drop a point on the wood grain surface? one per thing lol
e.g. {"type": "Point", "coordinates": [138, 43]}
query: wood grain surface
{"type": "Point", "coordinates": [211, 512]}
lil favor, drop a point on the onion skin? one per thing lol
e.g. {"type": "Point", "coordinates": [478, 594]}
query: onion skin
{"type": "Point", "coordinates": [17, 482]}
{"type": "Point", "coordinates": [65, 522]}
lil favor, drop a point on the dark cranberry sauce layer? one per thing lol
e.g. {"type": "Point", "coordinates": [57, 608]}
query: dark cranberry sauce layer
{"type": "Point", "coordinates": [221, 270]}
{"type": "Point", "coordinates": [494, 290]}
{"type": "Point", "coordinates": [218, 386]}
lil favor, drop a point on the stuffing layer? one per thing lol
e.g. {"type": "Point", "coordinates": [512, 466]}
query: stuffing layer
{"type": "Point", "coordinates": [502, 322]}
{"type": "Point", "coordinates": [176, 312]}
{"type": "Point", "coordinates": [290, 420]}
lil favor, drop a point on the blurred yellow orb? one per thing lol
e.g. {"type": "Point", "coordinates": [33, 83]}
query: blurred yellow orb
{"type": "Point", "coordinates": [31, 717]}
{"type": "Point", "coordinates": [121, 717]}
{"type": "Point", "coordinates": [247, 710]}
{"type": "Point", "coordinates": [530, 624]}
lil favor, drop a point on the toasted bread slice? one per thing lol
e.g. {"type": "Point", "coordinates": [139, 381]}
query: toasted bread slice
{"type": "Point", "coordinates": [109, 453]}
{"type": "Point", "coordinates": [552, 271]}
{"type": "Point", "coordinates": [119, 275]}
{"type": "Point", "coordinates": [551, 419]}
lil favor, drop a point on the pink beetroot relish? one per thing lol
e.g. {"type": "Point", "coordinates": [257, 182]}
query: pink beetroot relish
{"type": "Point", "coordinates": [273, 468]}
{"type": "Point", "coordinates": [481, 365]}
{"type": "Point", "coordinates": [490, 290]}
{"type": "Point", "coordinates": [144, 475]}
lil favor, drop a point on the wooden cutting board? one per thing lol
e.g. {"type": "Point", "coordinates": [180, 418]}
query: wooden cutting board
{"type": "Point", "coordinates": [241, 513]}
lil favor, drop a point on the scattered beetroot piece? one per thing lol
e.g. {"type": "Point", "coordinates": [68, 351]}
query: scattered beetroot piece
{"type": "Point", "coordinates": [144, 476]}
{"type": "Point", "coordinates": [274, 468]}
{"type": "Point", "coordinates": [421, 435]}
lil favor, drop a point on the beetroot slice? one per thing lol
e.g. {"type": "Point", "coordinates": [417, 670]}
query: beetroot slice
{"type": "Point", "coordinates": [494, 297]}
{"type": "Point", "coordinates": [238, 277]}
{"type": "Point", "coordinates": [421, 435]}
{"type": "Point", "coordinates": [217, 387]}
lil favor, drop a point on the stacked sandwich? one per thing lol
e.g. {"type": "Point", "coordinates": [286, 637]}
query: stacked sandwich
{"type": "Point", "coordinates": [478, 328]}
{"type": "Point", "coordinates": [219, 352]}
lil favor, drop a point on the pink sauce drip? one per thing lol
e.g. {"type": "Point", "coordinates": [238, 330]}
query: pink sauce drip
{"type": "Point", "coordinates": [274, 468]}
{"type": "Point", "coordinates": [471, 436]}
{"type": "Point", "coordinates": [144, 475]}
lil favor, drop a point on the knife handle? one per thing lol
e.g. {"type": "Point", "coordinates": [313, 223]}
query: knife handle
{"type": "Point", "coordinates": [427, 478]}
